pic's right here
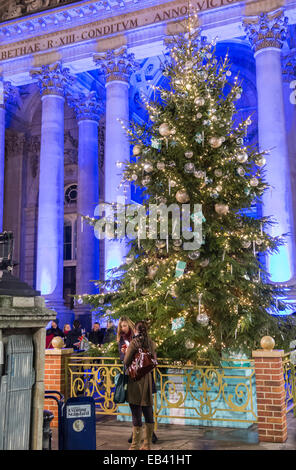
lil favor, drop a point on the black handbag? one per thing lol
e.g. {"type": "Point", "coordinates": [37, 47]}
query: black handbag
{"type": "Point", "coordinates": [121, 388]}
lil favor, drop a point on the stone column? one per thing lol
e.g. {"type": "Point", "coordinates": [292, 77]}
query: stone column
{"type": "Point", "coordinates": [117, 66]}
{"type": "Point", "coordinates": [88, 112]}
{"type": "Point", "coordinates": [53, 81]}
{"type": "Point", "coordinates": [266, 34]}
{"type": "Point", "coordinates": [7, 93]}
{"type": "Point", "coordinates": [270, 391]}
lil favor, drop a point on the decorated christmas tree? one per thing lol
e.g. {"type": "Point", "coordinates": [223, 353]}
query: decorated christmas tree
{"type": "Point", "coordinates": [197, 276]}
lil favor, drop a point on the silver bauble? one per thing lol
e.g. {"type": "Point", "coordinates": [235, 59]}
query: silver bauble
{"type": "Point", "coordinates": [204, 263]}
{"type": "Point", "coordinates": [164, 129]}
{"type": "Point", "coordinates": [160, 165]}
{"type": "Point", "coordinates": [218, 173]}
{"type": "Point", "coordinates": [241, 171]}
{"type": "Point", "coordinates": [215, 142]}
{"type": "Point", "coordinates": [246, 244]}
{"type": "Point", "coordinates": [189, 154]}
{"type": "Point", "coordinates": [148, 167]}
{"type": "Point", "coordinates": [260, 161]}
{"type": "Point", "coordinates": [221, 209]}
{"type": "Point", "coordinates": [189, 167]}
{"type": "Point", "coordinates": [242, 157]}
{"type": "Point", "coordinates": [203, 319]}
{"type": "Point", "coordinates": [189, 344]}
{"type": "Point", "coordinates": [194, 255]}
{"type": "Point", "coordinates": [137, 149]}
{"type": "Point", "coordinates": [254, 182]}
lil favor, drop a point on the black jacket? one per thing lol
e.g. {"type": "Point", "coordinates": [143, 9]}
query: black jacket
{"type": "Point", "coordinates": [73, 337]}
{"type": "Point", "coordinates": [54, 331]}
{"type": "Point", "coordinates": [96, 337]}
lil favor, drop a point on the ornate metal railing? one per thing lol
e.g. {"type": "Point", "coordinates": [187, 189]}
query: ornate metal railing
{"type": "Point", "coordinates": [290, 383]}
{"type": "Point", "coordinates": [191, 393]}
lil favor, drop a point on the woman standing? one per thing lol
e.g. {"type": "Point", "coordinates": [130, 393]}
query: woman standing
{"type": "Point", "coordinates": [125, 333]}
{"type": "Point", "coordinates": [139, 393]}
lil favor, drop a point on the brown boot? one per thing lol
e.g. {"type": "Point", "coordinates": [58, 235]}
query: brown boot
{"type": "Point", "coordinates": [137, 437]}
{"type": "Point", "coordinates": [149, 428]}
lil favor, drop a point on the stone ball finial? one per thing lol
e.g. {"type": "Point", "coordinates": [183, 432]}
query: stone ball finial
{"type": "Point", "coordinates": [57, 342]}
{"type": "Point", "coordinates": [267, 343]}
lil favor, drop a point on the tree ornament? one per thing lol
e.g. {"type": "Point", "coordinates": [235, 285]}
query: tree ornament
{"type": "Point", "coordinates": [203, 319]}
{"type": "Point", "coordinates": [260, 161]}
{"type": "Point", "coordinates": [180, 268]}
{"type": "Point", "coordinates": [137, 150]}
{"type": "Point", "coordinates": [164, 129]}
{"type": "Point", "coordinates": [178, 323]}
{"type": "Point", "coordinates": [194, 255]}
{"type": "Point", "coordinates": [242, 157]}
{"type": "Point", "coordinates": [129, 259]}
{"type": "Point", "coordinates": [204, 263]}
{"type": "Point", "coordinates": [160, 244]}
{"type": "Point", "coordinates": [199, 115]}
{"type": "Point", "coordinates": [146, 180]}
{"type": "Point", "coordinates": [160, 165]}
{"type": "Point", "coordinates": [148, 167]}
{"type": "Point", "coordinates": [254, 182]}
{"type": "Point", "coordinates": [189, 167]}
{"type": "Point", "coordinates": [152, 271]}
{"type": "Point", "coordinates": [218, 173]}
{"type": "Point", "coordinates": [134, 177]}
{"type": "Point", "coordinates": [80, 300]}
{"type": "Point", "coordinates": [177, 242]}
{"type": "Point", "coordinates": [200, 174]}
{"type": "Point", "coordinates": [241, 171]}
{"type": "Point", "coordinates": [199, 138]}
{"type": "Point", "coordinates": [182, 196]}
{"type": "Point", "coordinates": [189, 344]}
{"type": "Point", "coordinates": [246, 244]}
{"type": "Point", "coordinates": [101, 300]}
{"type": "Point", "coordinates": [189, 154]}
{"type": "Point", "coordinates": [221, 209]}
{"type": "Point", "coordinates": [155, 143]}
{"type": "Point", "coordinates": [215, 142]}
{"type": "Point", "coordinates": [199, 101]}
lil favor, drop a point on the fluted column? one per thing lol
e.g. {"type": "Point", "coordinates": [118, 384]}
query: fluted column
{"type": "Point", "coordinates": [7, 93]}
{"type": "Point", "coordinates": [53, 81]}
{"type": "Point", "coordinates": [117, 66]}
{"type": "Point", "coordinates": [266, 34]}
{"type": "Point", "coordinates": [88, 111]}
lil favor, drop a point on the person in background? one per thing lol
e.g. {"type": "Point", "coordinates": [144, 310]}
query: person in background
{"type": "Point", "coordinates": [110, 334]}
{"type": "Point", "coordinates": [51, 332]}
{"type": "Point", "coordinates": [66, 329]}
{"type": "Point", "coordinates": [139, 393]}
{"type": "Point", "coordinates": [96, 336]}
{"type": "Point", "coordinates": [72, 339]}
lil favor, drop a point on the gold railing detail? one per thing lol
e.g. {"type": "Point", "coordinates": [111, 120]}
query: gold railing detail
{"type": "Point", "coordinates": [290, 383]}
{"type": "Point", "coordinates": [190, 393]}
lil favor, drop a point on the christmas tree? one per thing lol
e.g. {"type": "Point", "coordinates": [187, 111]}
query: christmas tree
{"type": "Point", "coordinates": [216, 296]}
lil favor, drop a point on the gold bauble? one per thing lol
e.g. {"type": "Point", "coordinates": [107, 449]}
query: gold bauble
{"type": "Point", "coordinates": [267, 343]}
{"type": "Point", "coordinates": [182, 196]}
{"type": "Point", "coordinates": [215, 142]}
{"type": "Point", "coordinates": [57, 342]}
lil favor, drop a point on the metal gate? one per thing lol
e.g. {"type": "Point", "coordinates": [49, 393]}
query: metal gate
{"type": "Point", "coordinates": [16, 393]}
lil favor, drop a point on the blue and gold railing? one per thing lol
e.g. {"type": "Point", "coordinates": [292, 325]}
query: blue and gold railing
{"type": "Point", "coordinates": [205, 395]}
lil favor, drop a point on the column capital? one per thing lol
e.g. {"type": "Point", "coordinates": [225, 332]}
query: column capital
{"type": "Point", "coordinates": [117, 64]}
{"type": "Point", "coordinates": [86, 107]}
{"type": "Point", "coordinates": [266, 30]}
{"type": "Point", "coordinates": [53, 79]}
{"type": "Point", "coordinates": [8, 93]}
{"type": "Point", "coordinates": [289, 67]}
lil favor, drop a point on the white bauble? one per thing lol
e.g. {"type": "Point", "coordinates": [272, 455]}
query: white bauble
{"type": "Point", "coordinates": [164, 129]}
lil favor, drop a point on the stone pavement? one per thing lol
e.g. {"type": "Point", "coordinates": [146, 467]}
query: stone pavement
{"type": "Point", "coordinates": [113, 435]}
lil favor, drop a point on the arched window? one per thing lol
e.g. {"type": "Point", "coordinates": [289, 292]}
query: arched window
{"type": "Point", "coordinates": [71, 194]}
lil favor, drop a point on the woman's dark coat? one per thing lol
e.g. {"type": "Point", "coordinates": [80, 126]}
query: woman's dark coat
{"type": "Point", "coordinates": [139, 392]}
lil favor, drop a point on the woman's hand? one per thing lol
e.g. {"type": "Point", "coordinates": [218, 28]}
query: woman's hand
{"type": "Point", "coordinates": [124, 348]}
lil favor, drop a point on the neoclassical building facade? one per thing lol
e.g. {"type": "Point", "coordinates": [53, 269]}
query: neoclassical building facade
{"type": "Point", "coordinates": [71, 71]}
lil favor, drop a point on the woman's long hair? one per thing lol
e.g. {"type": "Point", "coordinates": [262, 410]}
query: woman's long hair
{"type": "Point", "coordinates": [142, 338]}
{"type": "Point", "coordinates": [130, 324]}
